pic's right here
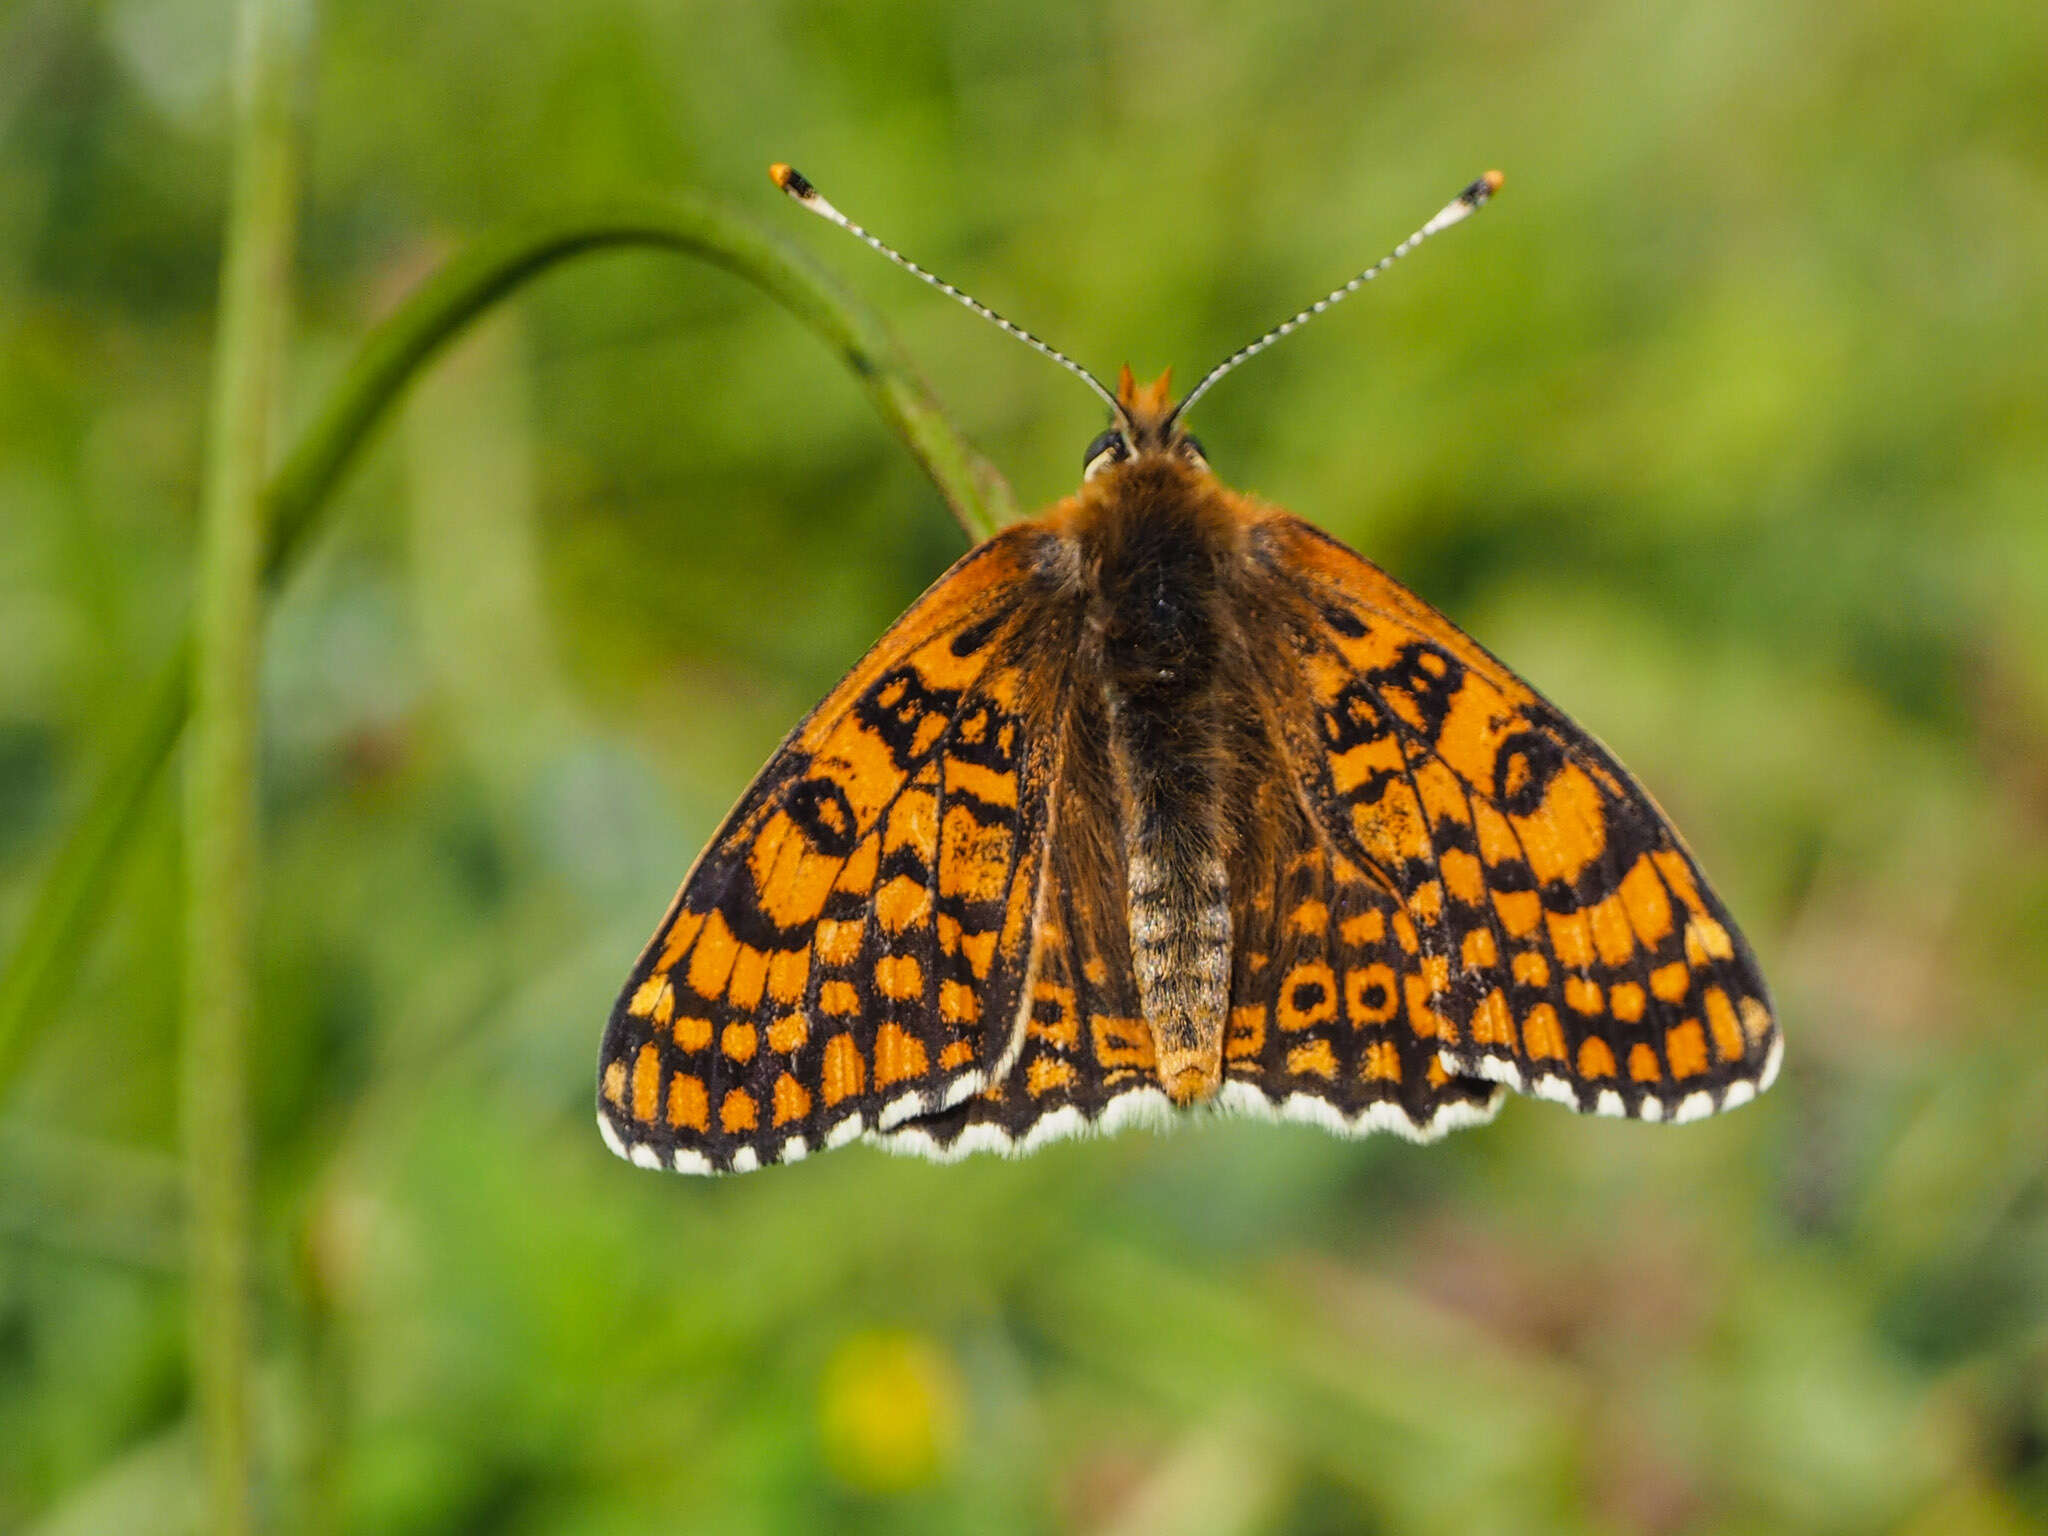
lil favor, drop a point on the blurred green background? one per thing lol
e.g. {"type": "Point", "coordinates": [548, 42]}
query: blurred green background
{"type": "Point", "coordinates": [1728, 425]}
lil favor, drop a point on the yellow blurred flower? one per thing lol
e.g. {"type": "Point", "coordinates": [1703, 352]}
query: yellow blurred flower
{"type": "Point", "coordinates": [890, 1409]}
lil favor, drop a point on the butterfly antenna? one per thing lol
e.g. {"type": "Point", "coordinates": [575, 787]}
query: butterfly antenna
{"type": "Point", "coordinates": [793, 181]}
{"type": "Point", "coordinates": [1456, 211]}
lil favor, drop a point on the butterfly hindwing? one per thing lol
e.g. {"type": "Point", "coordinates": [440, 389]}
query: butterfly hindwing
{"type": "Point", "coordinates": [1556, 934]}
{"type": "Point", "coordinates": [1329, 980]}
{"type": "Point", "coordinates": [1086, 1062]}
{"type": "Point", "coordinates": [851, 949]}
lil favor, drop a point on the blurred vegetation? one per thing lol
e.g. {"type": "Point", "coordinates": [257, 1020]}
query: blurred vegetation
{"type": "Point", "coordinates": [1728, 426]}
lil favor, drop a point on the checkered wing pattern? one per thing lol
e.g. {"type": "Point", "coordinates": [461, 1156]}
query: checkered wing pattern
{"type": "Point", "coordinates": [1487, 894]}
{"type": "Point", "coordinates": [853, 947]}
{"type": "Point", "coordinates": [1086, 1060]}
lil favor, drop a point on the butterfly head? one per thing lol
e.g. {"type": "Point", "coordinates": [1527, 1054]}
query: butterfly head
{"type": "Point", "coordinates": [1147, 425]}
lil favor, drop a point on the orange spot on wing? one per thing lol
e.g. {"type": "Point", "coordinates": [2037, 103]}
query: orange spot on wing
{"type": "Point", "coordinates": [974, 861]}
{"type": "Point", "coordinates": [1612, 935]}
{"type": "Point", "coordinates": [1649, 910]}
{"type": "Point", "coordinates": [615, 1084]}
{"type": "Point", "coordinates": [1353, 767]}
{"type": "Point", "coordinates": [898, 1055]}
{"type": "Point", "coordinates": [983, 783]}
{"type": "Point", "coordinates": [749, 978]}
{"type": "Point", "coordinates": [1678, 875]}
{"type": "Point", "coordinates": [858, 874]}
{"type": "Point", "coordinates": [1308, 996]}
{"type": "Point", "coordinates": [792, 1100]}
{"type": "Point", "coordinates": [863, 769]}
{"type": "Point", "coordinates": [1478, 952]}
{"type": "Point", "coordinates": [788, 973]}
{"type": "Point", "coordinates": [1595, 1059]}
{"type": "Point", "coordinates": [646, 1082]}
{"type": "Point", "coordinates": [1531, 969]}
{"type": "Point", "coordinates": [738, 1042]}
{"type": "Point", "coordinates": [845, 1073]}
{"type": "Point", "coordinates": [1310, 916]}
{"type": "Point", "coordinates": [1364, 930]}
{"type": "Point", "coordinates": [1391, 830]}
{"type": "Point", "coordinates": [1686, 1047]}
{"type": "Point", "coordinates": [712, 960]}
{"type": "Point", "coordinates": [692, 1033]}
{"type": "Point", "coordinates": [1313, 1058]}
{"type": "Point", "coordinates": [902, 902]}
{"type": "Point", "coordinates": [1642, 1064]}
{"type": "Point", "coordinates": [838, 998]}
{"type": "Point", "coordinates": [1047, 1074]}
{"type": "Point", "coordinates": [1520, 911]}
{"type": "Point", "coordinates": [1245, 1035]}
{"type": "Point", "coordinates": [1463, 876]}
{"type": "Point", "coordinates": [788, 1033]}
{"type": "Point", "coordinates": [1404, 933]}
{"type": "Point", "coordinates": [678, 938]}
{"type": "Point", "coordinates": [791, 880]}
{"type": "Point", "coordinates": [687, 1105]}
{"type": "Point", "coordinates": [980, 950]}
{"type": "Point", "coordinates": [1625, 1001]}
{"type": "Point", "coordinates": [1571, 939]}
{"type": "Point", "coordinates": [1568, 831]}
{"type": "Point", "coordinates": [1442, 795]}
{"type": "Point", "coordinates": [1120, 1043]}
{"type": "Point", "coordinates": [645, 995]}
{"type": "Point", "coordinates": [1756, 1019]}
{"type": "Point", "coordinates": [738, 1112]}
{"type": "Point", "coordinates": [1382, 1062]}
{"type": "Point", "coordinates": [899, 977]}
{"type": "Point", "coordinates": [1063, 1028]}
{"type": "Point", "coordinates": [1670, 982]}
{"type": "Point", "coordinates": [914, 818]}
{"type": "Point", "coordinates": [1473, 729]}
{"type": "Point", "coordinates": [836, 942]}
{"type": "Point", "coordinates": [1707, 940]}
{"type": "Point", "coordinates": [1542, 1035]}
{"type": "Point", "coordinates": [1371, 994]}
{"type": "Point", "coordinates": [1422, 1018]}
{"type": "Point", "coordinates": [956, 1055]}
{"type": "Point", "coordinates": [1583, 995]}
{"type": "Point", "coordinates": [1492, 1024]}
{"type": "Point", "coordinates": [958, 1003]}
{"type": "Point", "coordinates": [1496, 837]}
{"type": "Point", "coordinates": [1426, 901]}
{"type": "Point", "coordinates": [1728, 1041]}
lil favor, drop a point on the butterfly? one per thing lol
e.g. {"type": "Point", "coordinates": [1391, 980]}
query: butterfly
{"type": "Point", "coordinates": [1166, 801]}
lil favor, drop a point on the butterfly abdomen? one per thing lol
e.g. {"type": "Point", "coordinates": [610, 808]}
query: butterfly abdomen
{"type": "Point", "coordinates": [1157, 548]}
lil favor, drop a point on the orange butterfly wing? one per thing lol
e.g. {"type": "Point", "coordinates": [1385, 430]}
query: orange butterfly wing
{"type": "Point", "coordinates": [853, 947]}
{"type": "Point", "coordinates": [1488, 895]}
{"type": "Point", "coordinates": [1086, 1060]}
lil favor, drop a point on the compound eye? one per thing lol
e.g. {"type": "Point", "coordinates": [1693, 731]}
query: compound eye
{"type": "Point", "coordinates": [1191, 450]}
{"type": "Point", "coordinates": [1107, 449]}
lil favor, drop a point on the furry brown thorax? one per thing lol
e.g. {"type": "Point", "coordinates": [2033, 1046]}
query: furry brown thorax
{"type": "Point", "coordinates": [1158, 546]}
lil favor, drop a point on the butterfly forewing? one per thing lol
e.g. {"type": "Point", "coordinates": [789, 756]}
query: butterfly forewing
{"type": "Point", "coordinates": [852, 949]}
{"type": "Point", "coordinates": [1548, 928]}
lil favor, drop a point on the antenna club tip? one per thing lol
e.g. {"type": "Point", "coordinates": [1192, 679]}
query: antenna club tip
{"type": "Point", "coordinates": [1481, 189]}
{"type": "Point", "coordinates": [791, 180]}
